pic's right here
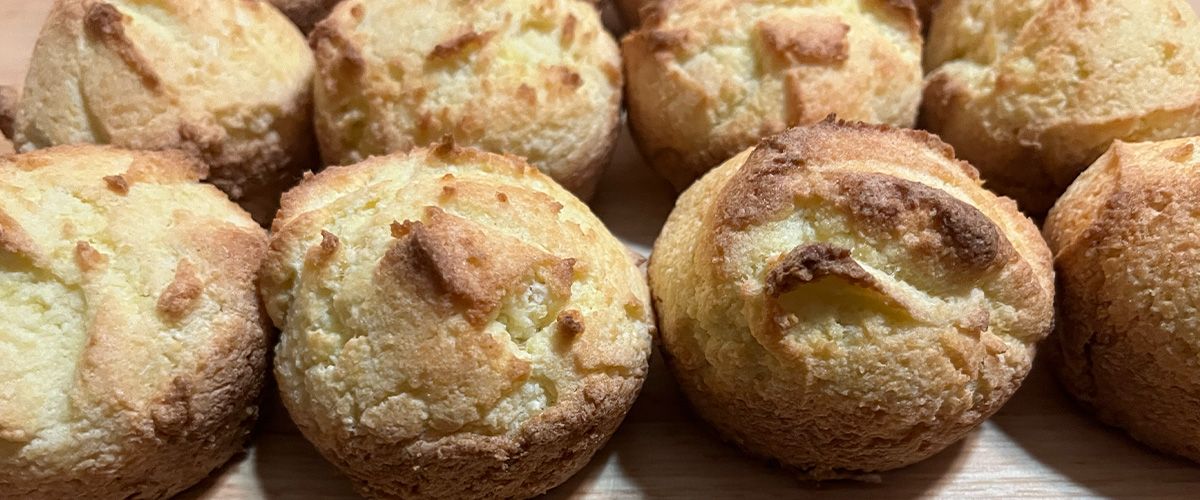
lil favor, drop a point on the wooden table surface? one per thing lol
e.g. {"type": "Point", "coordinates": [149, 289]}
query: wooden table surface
{"type": "Point", "coordinates": [1039, 445]}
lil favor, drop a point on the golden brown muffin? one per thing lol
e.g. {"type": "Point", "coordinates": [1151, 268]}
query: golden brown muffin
{"type": "Point", "coordinates": [846, 298]}
{"type": "Point", "coordinates": [539, 79]}
{"type": "Point", "coordinates": [305, 13]}
{"type": "Point", "coordinates": [455, 324]}
{"type": "Point", "coordinates": [228, 81]}
{"type": "Point", "coordinates": [1032, 92]}
{"type": "Point", "coordinates": [1128, 338]}
{"type": "Point", "coordinates": [132, 341]}
{"type": "Point", "coordinates": [707, 79]}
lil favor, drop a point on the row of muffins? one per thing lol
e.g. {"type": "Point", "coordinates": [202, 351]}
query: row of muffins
{"type": "Point", "coordinates": [844, 298]}
{"type": "Point", "coordinates": [1030, 94]}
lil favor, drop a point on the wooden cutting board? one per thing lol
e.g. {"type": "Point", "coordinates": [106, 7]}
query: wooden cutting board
{"type": "Point", "coordinates": [1039, 445]}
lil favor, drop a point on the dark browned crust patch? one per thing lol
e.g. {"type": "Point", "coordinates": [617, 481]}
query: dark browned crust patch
{"type": "Point", "coordinates": [808, 263]}
{"type": "Point", "coordinates": [884, 201]}
{"type": "Point", "coordinates": [459, 45]}
{"type": "Point", "coordinates": [117, 183]}
{"type": "Point", "coordinates": [449, 257]}
{"type": "Point", "coordinates": [570, 323]}
{"type": "Point", "coordinates": [181, 294]}
{"type": "Point", "coordinates": [106, 24]}
{"type": "Point", "coordinates": [762, 187]}
{"type": "Point", "coordinates": [819, 40]}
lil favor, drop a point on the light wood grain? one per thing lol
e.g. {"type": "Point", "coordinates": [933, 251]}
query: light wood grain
{"type": "Point", "coordinates": [1039, 445]}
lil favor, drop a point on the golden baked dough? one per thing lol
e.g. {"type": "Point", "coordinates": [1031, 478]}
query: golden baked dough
{"type": "Point", "coordinates": [539, 79]}
{"type": "Point", "coordinates": [1128, 337]}
{"type": "Point", "coordinates": [132, 340]}
{"type": "Point", "coordinates": [305, 13]}
{"type": "Point", "coordinates": [1032, 92]}
{"type": "Point", "coordinates": [707, 79]}
{"type": "Point", "coordinates": [228, 81]}
{"type": "Point", "coordinates": [455, 324]}
{"type": "Point", "coordinates": [846, 298]}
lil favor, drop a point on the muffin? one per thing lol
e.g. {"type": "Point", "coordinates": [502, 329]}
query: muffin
{"type": "Point", "coordinates": [846, 298]}
{"type": "Point", "coordinates": [1032, 92]}
{"type": "Point", "coordinates": [1124, 241]}
{"type": "Point", "coordinates": [132, 340]}
{"type": "Point", "coordinates": [228, 81]}
{"type": "Point", "coordinates": [539, 79]}
{"type": "Point", "coordinates": [455, 324]}
{"type": "Point", "coordinates": [305, 13]}
{"type": "Point", "coordinates": [707, 79]}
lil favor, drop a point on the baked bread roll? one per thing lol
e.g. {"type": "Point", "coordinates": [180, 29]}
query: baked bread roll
{"type": "Point", "coordinates": [305, 13]}
{"type": "Point", "coordinates": [1032, 92]}
{"type": "Point", "coordinates": [707, 79]}
{"type": "Point", "coordinates": [455, 324]}
{"type": "Point", "coordinates": [228, 81]}
{"type": "Point", "coordinates": [539, 79]}
{"type": "Point", "coordinates": [846, 298]}
{"type": "Point", "coordinates": [132, 340]}
{"type": "Point", "coordinates": [1127, 341]}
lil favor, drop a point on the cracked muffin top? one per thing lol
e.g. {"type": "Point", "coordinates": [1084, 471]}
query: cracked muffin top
{"type": "Point", "coordinates": [453, 299]}
{"type": "Point", "coordinates": [847, 298]}
{"type": "Point", "coordinates": [1032, 92]}
{"type": "Point", "coordinates": [540, 79]}
{"type": "Point", "coordinates": [228, 81]}
{"type": "Point", "coordinates": [132, 341]}
{"type": "Point", "coordinates": [707, 79]}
